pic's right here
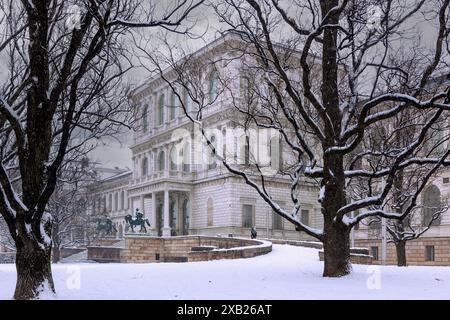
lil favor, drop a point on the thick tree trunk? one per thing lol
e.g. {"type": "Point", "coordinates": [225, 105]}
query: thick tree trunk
{"type": "Point", "coordinates": [56, 254]}
{"type": "Point", "coordinates": [336, 245]}
{"type": "Point", "coordinates": [34, 274]}
{"type": "Point", "coordinates": [336, 234]}
{"type": "Point", "coordinates": [400, 248]}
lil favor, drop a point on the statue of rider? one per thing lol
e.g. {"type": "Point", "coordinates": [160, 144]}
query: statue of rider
{"type": "Point", "coordinates": [139, 215]}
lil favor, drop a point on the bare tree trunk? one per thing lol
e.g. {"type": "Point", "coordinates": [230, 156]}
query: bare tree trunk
{"type": "Point", "coordinates": [34, 273]}
{"type": "Point", "coordinates": [56, 254]}
{"type": "Point", "coordinates": [400, 247]}
{"type": "Point", "coordinates": [336, 234]}
{"type": "Point", "coordinates": [336, 253]}
{"type": "Point", "coordinates": [336, 239]}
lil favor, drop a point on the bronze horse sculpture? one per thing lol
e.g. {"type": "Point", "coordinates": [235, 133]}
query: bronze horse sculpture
{"type": "Point", "coordinates": [136, 222]}
{"type": "Point", "coordinates": [105, 227]}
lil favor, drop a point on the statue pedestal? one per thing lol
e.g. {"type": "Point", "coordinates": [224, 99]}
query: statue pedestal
{"type": "Point", "coordinates": [166, 232]}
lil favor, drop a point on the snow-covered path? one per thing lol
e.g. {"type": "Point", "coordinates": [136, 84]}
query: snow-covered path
{"type": "Point", "coordinates": [286, 273]}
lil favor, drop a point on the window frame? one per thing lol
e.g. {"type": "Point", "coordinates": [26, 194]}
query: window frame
{"type": "Point", "coordinates": [161, 102]}
{"type": "Point", "coordinates": [252, 222]}
{"type": "Point", "coordinates": [430, 253]}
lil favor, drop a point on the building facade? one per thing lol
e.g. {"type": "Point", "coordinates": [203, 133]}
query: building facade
{"type": "Point", "coordinates": [433, 246]}
{"type": "Point", "coordinates": [181, 195]}
{"type": "Point", "coordinates": [176, 181]}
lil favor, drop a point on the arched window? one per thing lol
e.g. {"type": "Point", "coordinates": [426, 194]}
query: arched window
{"type": "Point", "coordinates": [173, 159]}
{"type": "Point", "coordinates": [210, 212]}
{"type": "Point", "coordinates": [173, 106]}
{"type": "Point", "coordinates": [122, 200]}
{"type": "Point", "coordinates": [161, 161]}
{"type": "Point", "coordinates": [145, 119]}
{"type": "Point", "coordinates": [161, 109]}
{"type": "Point", "coordinates": [144, 167]}
{"type": "Point", "coordinates": [213, 83]}
{"type": "Point", "coordinates": [116, 201]}
{"type": "Point", "coordinates": [212, 164]}
{"type": "Point", "coordinates": [431, 205]}
{"type": "Point", "coordinates": [185, 155]}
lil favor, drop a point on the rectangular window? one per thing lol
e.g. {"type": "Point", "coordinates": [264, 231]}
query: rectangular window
{"type": "Point", "coordinates": [305, 217]}
{"type": "Point", "coordinates": [247, 215]}
{"type": "Point", "coordinates": [277, 222]}
{"type": "Point", "coordinates": [173, 106]}
{"type": "Point", "coordinates": [429, 253]}
{"type": "Point", "coordinates": [445, 180]}
{"type": "Point", "coordinates": [247, 151]}
{"type": "Point", "coordinates": [374, 252]}
{"type": "Point", "coordinates": [186, 101]}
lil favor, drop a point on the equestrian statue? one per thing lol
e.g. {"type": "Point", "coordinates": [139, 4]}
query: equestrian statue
{"type": "Point", "coordinates": [105, 227]}
{"type": "Point", "coordinates": [139, 221]}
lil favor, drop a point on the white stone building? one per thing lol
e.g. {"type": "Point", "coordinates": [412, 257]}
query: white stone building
{"type": "Point", "coordinates": [181, 190]}
{"type": "Point", "coordinates": [175, 180]}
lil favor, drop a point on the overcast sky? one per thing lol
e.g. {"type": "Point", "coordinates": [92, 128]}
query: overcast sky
{"type": "Point", "coordinates": [116, 152]}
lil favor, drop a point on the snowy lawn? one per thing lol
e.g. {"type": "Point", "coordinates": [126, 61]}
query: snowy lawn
{"type": "Point", "coordinates": [286, 273]}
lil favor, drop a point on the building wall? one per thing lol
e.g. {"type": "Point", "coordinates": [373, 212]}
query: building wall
{"type": "Point", "coordinates": [415, 251]}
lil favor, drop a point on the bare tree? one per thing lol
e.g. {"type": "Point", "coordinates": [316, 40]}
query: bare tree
{"type": "Point", "coordinates": [63, 87]}
{"type": "Point", "coordinates": [418, 221]}
{"type": "Point", "coordinates": [68, 205]}
{"type": "Point", "coordinates": [321, 74]}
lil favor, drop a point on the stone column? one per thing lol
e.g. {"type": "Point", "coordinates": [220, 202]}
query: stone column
{"type": "Point", "coordinates": [166, 160]}
{"type": "Point", "coordinates": [142, 204]}
{"type": "Point", "coordinates": [166, 228]}
{"type": "Point", "coordinates": [154, 214]}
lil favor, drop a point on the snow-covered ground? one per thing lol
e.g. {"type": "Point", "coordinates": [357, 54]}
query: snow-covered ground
{"type": "Point", "coordinates": [286, 273]}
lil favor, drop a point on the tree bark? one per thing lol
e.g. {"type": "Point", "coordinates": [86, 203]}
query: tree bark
{"type": "Point", "coordinates": [336, 237]}
{"type": "Point", "coordinates": [336, 247]}
{"type": "Point", "coordinates": [34, 274]}
{"type": "Point", "coordinates": [56, 254]}
{"type": "Point", "coordinates": [400, 247]}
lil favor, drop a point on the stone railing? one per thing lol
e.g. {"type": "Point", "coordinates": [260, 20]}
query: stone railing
{"type": "Point", "coordinates": [67, 252]}
{"type": "Point", "coordinates": [298, 243]}
{"type": "Point", "coordinates": [104, 254]}
{"type": "Point", "coordinates": [7, 257]}
{"type": "Point", "coordinates": [105, 241]}
{"type": "Point", "coordinates": [357, 256]}
{"type": "Point", "coordinates": [144, 249]}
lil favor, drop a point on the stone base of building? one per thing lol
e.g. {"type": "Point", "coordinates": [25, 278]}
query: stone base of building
{"type": "Point", "coordinates": [416, 251]}
{"type": "Point", "coordinates": [144, 249]}
{"type": "Point", "coordinates": [355, 258]}
{"type": "Point", "coordinates": [263, 233]}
